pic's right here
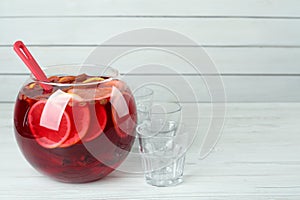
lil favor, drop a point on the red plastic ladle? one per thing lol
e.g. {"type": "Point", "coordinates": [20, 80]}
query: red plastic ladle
{"type": "Point", "coordinates": [30, 62]}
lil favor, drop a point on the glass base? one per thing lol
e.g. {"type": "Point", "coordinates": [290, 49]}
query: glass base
{"type": "Point", "coordinates": [170, 175]}
{"type": "Point", "coordinates": [164, 183]}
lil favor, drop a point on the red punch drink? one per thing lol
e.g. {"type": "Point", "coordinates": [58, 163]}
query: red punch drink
{"type": "Point", "coordinates": [81, 130]}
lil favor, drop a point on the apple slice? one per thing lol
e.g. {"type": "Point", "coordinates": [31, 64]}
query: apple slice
{"type": "Point", "coordinates": [91, 94]}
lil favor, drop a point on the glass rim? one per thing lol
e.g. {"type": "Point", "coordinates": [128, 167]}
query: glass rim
{"type": "Point", "coordinates": [113, 77]}
{"type": "Point", "coordinates": [180, 127]}
{"type": "Point", "coordinates": [177, 109]}
{"type": "Point", "coordinates": [143, 95]}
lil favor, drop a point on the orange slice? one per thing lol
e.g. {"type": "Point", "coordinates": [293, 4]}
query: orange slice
{"type": "Point", "coordinates": [125, 124]}
{"type": "Point", "coordinates": [80, 120]}
{"type": "Point", "coordinates": [46, 137]}
{"type": "Point", "coordinates": [98, 122]}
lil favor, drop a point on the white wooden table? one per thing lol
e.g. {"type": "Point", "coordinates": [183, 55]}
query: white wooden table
{"type": "Point", "coordinates": [257, 157]}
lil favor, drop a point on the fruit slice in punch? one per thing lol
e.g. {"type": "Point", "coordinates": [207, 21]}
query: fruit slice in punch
{"type": "Point", "coordinates": [95, 97]}
{"type": "Point", "coordinates": [123, 113]}
{"type": "Point", "coordinates": [46, 137]}
{"type": "Point", "coordinates": [79, 114]}
{"type": "Point", "coordinates": [91, 94]}
{"type": "Point", "coordinates": [98, 122]}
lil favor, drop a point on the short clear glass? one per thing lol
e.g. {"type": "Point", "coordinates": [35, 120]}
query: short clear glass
{"type": "Point", "coordinates": [143, 98]}
{"type": "Point", "coordinates": [163, 145]}
{"type": "Point", "coordinates": [165, 111]}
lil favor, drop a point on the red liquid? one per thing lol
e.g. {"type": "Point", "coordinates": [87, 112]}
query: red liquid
{"type": "Point", "coordinates": [83, 161]}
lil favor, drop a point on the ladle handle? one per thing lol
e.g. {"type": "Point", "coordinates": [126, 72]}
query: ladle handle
{"type": "Point", "coordinates": [31, 63]}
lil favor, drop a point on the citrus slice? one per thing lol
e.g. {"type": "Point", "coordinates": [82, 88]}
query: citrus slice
{"type": "Point", "coordinates": [124, 122]}
{"type": "Point", "coordinates": [91, 94]}
{"type": "Point", "coordinates": [93, 79]}
{"type": "Point", "coordinates": [115, 82]}
{"type": "Point", "coordinates": [98, 122]}
{"type": "Point", "coordinates": [80, 120]}
{"type": "Point", "coordinates": [48, 138]}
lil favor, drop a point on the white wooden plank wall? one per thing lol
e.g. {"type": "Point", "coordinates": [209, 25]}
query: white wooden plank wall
{"type": "Point", "coordinates": [255, 44]}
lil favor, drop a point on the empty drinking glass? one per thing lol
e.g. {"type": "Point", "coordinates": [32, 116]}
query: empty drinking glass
{"type": "Point", "coordinates": [163, 145]}
{"type": "Point", "coordinates": [143, 97]}
{"type": "Point", "coordinates": [165, 112]}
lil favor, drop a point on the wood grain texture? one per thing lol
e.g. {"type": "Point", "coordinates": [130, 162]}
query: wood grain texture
{"type": "Point", "coordinates": [245, 39]}
{"type": "Point", "coordinates": [204, 31]}
{"type": "Point", "coordinates": [234, 60]}
{"type": "Point", "coordinates": [255, 159]}
{"type": "Point", "coordinates": [255, 45]}
{"type": "Point", "coordinates": [287, 8]}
